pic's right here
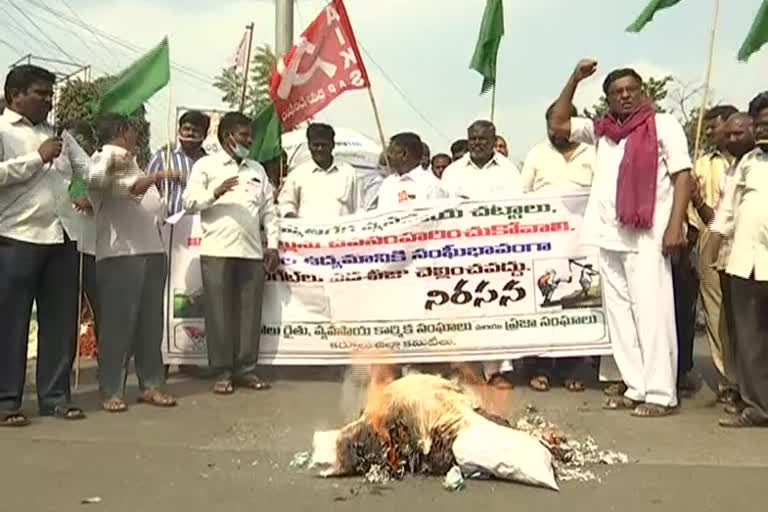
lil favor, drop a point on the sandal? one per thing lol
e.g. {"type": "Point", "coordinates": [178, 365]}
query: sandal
{"type": "Point", "coordinates": [501, 381]}
{"type": "Point", "coordinates": [539, 383]}
{"type": "Point", "coordinates": [620, 403]}
{"type": "Point", "coordinates": [13, 419]}
{"type": "Point", "coordinates": [728, 396]}
{"type": "Point", "coordinates": [157, 398]}
{"type": "Point", "coordinates": [734, 408]}
{"type": "Point", "coordinates": [741, 421]}
{"type": "Point", "coordinates": [252, 382]}
{"type": "Point", "coordinates": [114, 404]}
{"type": "Point", "coordinates": [615, 389]}
{"type": "Point", "coordinates": [573, 385]}
{"type": "Point", "coordinates": [223, 387]}
{"type": "Point", "coordinates": [647, 410]}
{"type": "Point", "coordinates": [65, 412]}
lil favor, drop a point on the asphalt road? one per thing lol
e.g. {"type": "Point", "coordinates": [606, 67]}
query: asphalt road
{"type": "Point", "coordinates": [232, 453]}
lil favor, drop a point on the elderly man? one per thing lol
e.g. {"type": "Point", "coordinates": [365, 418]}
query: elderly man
{"type": "Point", "coordinates": [558, 166]}
{"type": "Point", "coordinates": [484, 174]}
{"type": "Point", "coordinates": [745, 217]}
{"type": "Point", "coordinates": [740, 135]}
{"type": "Point", "coordinates": [635, 216]}
{"type": "Point", "coordinates": [323, 188]}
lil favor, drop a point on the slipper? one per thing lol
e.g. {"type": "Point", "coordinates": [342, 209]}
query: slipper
{"type": "Point", "coordinates": [65, 412]}
{"type": "Point", "coordinates": [741, 421]}
{"type": "Point", "coordinates": [647, 410]}
{"type": "Point", "coordinates": [114, 405]}
{"type": "Point", "coordinates": [13, 419]}
{"type": "Point", "coordinates": [252, 382]}
{"type": "Point", "coordinates": [223, 387]}
{"type": "Point", "coordinates": [574, 385]}
{"type": "Point", "coordinates": [620, 403]}
{"type": "Point", "coordinates": [615, 389]}
{"type": "Point", "coordinates": [539, 383]}
{"type": "Point", "coordinates": [157, 398]}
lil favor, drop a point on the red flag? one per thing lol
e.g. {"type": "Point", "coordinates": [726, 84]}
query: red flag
{"type": "Point", "coordinates": [323, 63]}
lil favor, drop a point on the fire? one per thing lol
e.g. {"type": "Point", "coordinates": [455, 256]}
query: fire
{"type": "Point", "coordinates": [493, 399]}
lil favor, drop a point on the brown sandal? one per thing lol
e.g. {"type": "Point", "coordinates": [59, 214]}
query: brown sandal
{"type": "Point", "coordinates": [647, 410]}
{"type": "Point", "coordinates": [615, 389]}
{"type": "Point", "coordinates": [114, 404]}
{"type": "Point", "coordinates": [620, 403]}
{"type": "Point", "coordinates": [157, 398]}
{"type": "Point", "coordinates": [741, 421]}
{"type": "Point", "coordinates": [252, 382]}
{"type": "Point", "coordinates": [223, 387]}
{"type": "Point", "coordinates": [574, 385]}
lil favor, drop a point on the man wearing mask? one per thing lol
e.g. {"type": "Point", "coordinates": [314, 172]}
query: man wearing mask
{"type": "Point", "coordinates": [558, 166]}
{"type": "Point", "coordinates": [484, 174]}
{"type": "Point", "coordinates": [635, 215]}
{"type": "Point", "coordinates": [740, 136]}
{"type": "Point", "coordinates": [236, 203]}
{"type": "Point", "coordinates": [193, 128]}
{"type": "Point", "coordinates": [323, 188]}
{"type": "Point", "coordinates": [410, 184]}
{"type": "Point", "coordinates": [38, 255]}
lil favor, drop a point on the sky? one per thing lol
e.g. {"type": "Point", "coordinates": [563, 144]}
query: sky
{"type": "Point", "coordinates": [417, 53]}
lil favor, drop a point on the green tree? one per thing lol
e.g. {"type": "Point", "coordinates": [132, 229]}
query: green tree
{"type": "Point", "coordinates": [230, 82]}
{"type": "Point", "coordinates": [654, 88]}
{"type": "Point", "coordinates": [77, 100]}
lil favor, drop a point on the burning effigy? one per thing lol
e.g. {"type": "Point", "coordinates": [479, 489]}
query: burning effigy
{"type": "Point", "coordinates": [425, 424]}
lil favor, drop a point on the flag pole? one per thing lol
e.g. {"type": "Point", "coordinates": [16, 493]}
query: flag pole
{"type": "Point", "coordinates": [378, 124]}
{"type": "Point", "coordinates": [79, 320]}
{"type": "Point", "coordinates": [493, 103]}
{"type": "Point", "coordinates": [249, 28]}
{"type": "Point", "coordinates": [707, 85]}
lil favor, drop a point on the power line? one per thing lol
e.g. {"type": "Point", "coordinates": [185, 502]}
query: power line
{"type": "Point", "coordinates": [12, 47]}
{"type": "Point", "coordinates": [23, 13]}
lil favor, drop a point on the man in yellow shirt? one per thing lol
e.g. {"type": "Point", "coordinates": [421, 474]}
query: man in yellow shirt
{"type": "Point", "coordinates": [708, 172]}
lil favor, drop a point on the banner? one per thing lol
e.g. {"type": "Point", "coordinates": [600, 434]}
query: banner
{"type": "Point", "coordinates": [458, 282]}
{"type": "Point", "coordinates": [322, 64]}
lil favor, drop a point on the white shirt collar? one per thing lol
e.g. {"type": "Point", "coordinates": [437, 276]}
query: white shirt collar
{"type": "Point", "coordinates": [494, 161]}
{"type": "Point", "coordinates": [13, 117]}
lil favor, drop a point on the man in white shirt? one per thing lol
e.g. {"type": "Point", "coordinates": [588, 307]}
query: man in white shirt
{"type": "Point", "coordinates": [745, 217]}
{"type": "Point", "coordinates": [323, 188]}
{"type": "Point", "coordinates": [131, 267]}
{"type": "Point", "coordinates": [38, 255]}
{"type": "Point", "coordinates": [236, 204]}
{"type": "Point", "coordinates": [410, 184]}
{"type": "Point", "coordinates": [635, 216]}
{"type": "Point", "coordinates": [558, 166]}
{"type": "Point", "coordinates": [440, 163]}
{"type": "Point", "coordinates": [484, 174]}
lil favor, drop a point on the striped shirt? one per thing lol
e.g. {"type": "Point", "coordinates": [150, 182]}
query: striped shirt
{"type": "Point", "coordinates": [181, 165]}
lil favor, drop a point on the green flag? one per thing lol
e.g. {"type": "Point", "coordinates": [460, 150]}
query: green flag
{"type": "Point", "coordinates": [758, 34]}
{"type": "Point", "coordinates": [648, 13]}
{"type": "Point", "coordinates": [491, 30]}
{"type": "Point", "coordinates": [138, 82]}
{"type": "Point", "coordinates": [266, 136]}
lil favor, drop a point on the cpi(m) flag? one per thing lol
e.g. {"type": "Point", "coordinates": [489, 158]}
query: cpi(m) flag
{"type": "Point", "coordinates": [323, 63]}
{"type": "Point", "coordinates": [488, 41]}
{"type": "Point", "coordinates": [139, 82]}
{"type": "Point", "coordinates": [758, 34]}
{"type": "Point", "coordinates": [648, 13]}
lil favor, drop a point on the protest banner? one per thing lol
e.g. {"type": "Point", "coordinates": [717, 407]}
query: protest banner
{"type": "Point", "coordinates": [460, 281]}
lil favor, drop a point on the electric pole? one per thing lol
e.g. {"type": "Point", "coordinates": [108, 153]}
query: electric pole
{"type": "Point", "coordinates": [283, 27]}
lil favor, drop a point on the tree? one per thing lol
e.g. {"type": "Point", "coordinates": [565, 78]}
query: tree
{"type": "Point", "coordinates": [653, 88]}
{"type": "Point", "coordinates": [230, 82]}
{"type": "Point", "coordinates": [78, 100]}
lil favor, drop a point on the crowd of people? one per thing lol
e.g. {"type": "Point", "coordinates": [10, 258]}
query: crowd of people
{"type": "Point", "coordinates": [668, 231]}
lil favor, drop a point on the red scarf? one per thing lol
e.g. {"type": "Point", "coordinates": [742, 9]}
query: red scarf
{"type": "Point", "coordinates": [638, 171]}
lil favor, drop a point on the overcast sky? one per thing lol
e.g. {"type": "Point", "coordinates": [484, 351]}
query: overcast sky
{"type": "Point", "coordinates": [424, 46]}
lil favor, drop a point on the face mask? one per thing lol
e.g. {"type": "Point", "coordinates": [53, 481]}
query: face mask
{"type": "Point", "coordinates": [190, 140]}
{"type": "Point", "coordinates": [239, 150]}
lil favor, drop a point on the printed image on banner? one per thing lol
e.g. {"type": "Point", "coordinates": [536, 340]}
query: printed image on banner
{"type": "Point", "coordinates": [462, 281]}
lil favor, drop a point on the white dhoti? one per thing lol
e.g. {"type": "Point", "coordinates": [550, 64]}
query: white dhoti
{"type": "Point", "coordinates": [639, 304]}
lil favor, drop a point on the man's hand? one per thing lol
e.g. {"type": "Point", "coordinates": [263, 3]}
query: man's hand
{"type": "Point", "coordinates": [142, 184]}
{"type": "Point", "coordinates": [585, 69]}
{"type": "Point", "coordinates": [50, 149]}
{"type": "Point", "coordinates": [83, 205]}
{"type": "Point", "coordinates": [673, 240]}
{"type": "Point", "coordinates": [225, 187]}
{"type": "Point", "coordinates": [271, 260]}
